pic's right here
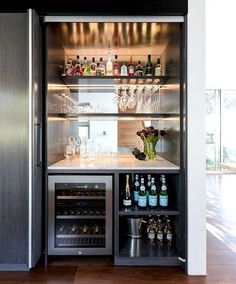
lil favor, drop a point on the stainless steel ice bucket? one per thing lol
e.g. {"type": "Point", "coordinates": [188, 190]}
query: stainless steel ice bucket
{"type": "Point", "coordinates": [134, 227]}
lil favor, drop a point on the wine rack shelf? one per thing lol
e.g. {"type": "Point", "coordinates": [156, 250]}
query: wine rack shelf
{"type": "Point", "coordinates": [81, 197]}
{"type": "Point", "coordinates": [81, 242]}
{"type": "Point", "coordinates": [79, 236]}
{"type": "Point", "coordinates": [81, 217]}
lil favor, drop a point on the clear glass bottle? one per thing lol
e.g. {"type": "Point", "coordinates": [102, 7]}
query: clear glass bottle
{"type": "Point", "coordinates": [142, 195]}
{"type": "Point", "coordinates": [123, 70]}
{"type": "Point", "coordinates": [148, 69]}
{"type": "Point", "coordinates": [152, 198]}
{"type": "Point", "coordinates": [116, 67]}
{"type": "Point", "coordinates": [109, 66]}
{"type": "Point", "coordinates": [126, 195]}
{"type": "Point", "coordinates": [158, 68]}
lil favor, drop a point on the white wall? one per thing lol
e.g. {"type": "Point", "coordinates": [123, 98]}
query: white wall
{"type": "Point", "coordinates": [196, 132]}
{"type": "Point", "coordinates": [220, 44]}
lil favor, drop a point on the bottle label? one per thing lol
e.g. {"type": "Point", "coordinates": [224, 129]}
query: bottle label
{"type": "Point", "coordinates": [126, 202]}
{"type": "Point", "coordinates": [169, 236]}
{"type": "Point", "coordinates": [135, 196]}
{"type": "Point", "coordinates": [157, 71]}
{"type": "Point", "coordinates": [152, 200]}
{"type": "Point", "coordinates": [142, 201]}
{"type": "Point", "coordinates": [151, 235]}
{"type": "Point", "coordinates": [163, 200]}
{"type": "Point", "coordinates": [131, 70]}
{"type": "Point", "coordinates": [160, 236]}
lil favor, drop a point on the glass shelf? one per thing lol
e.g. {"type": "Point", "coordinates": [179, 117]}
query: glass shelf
{"type": "Point", "coordinates": [73, 81]}
{"type": "Point", "coordinates": [134, 210]}
{"type": "Point", "coordinates": [115, 116]}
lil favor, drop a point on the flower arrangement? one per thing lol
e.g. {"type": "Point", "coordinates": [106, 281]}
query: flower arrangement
{"type": "Point", "coordinates": [150, 136]}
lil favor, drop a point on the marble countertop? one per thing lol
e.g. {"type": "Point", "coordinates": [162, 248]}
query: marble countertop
{"type": "Point", "coordinates": [116, 162]}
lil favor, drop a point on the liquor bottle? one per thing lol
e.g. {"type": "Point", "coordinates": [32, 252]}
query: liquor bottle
{"type": "Point", "coordinates": [98, 70]}
{"type": "Point", "coordinates": [93, 66]}
{"type": "Point", "coordinates": [142, 196]}
{"type": "Point", "coordinates": [152, 198]}
{"type": "Point", "coordinates": [163, 198]}
{"type": "Point", "coordinates": [83, 64]}
{"type": "Point", "coordinates": [136, 189]}
{"type": "Point", "coordinates": [127, 196]}
{"type": "Point", "coordinates": [116, 67]}
{"type": "Point", "coordinates": [151, 235]}
{"type": "Point", "coordinates": [123, 70]}
{"type": "Point", "coordinates": [139, 69]}
{"type": "Point", "coordinates": [87, 68]}
{"type": "Point", "coordinates": [109, 66]}
{"type": "Point", "coordinates": [169, 234]}
{"type": "Point", "coordinates": [148, 69]}
{"type": "Point", "coordinates": [69, 68]}
{"type": "Point", "coordinates": [102, 67]}
{"type": "Point", "coordinates": [77, 68]}
{"type": "Point", "coordinates": [131, 67]}
{"type": "Point", "coordinates": [158, 68]}
{"type": "Point", "coordinates": [159, 233]}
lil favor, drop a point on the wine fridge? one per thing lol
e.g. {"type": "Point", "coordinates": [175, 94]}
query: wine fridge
{"type": "Point", "coordinates": [80, 215]}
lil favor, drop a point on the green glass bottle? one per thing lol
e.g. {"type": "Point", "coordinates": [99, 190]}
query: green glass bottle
{"type": "Point", "coordinates": [142, 195]}
{"type": "Point", "coordinates": [152, 198]}
{"type": "Point", "coordinates": [163, 198]}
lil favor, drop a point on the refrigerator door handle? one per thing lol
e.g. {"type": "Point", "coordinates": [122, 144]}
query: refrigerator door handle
{"type": "Point", "coordinates": [38, 146]}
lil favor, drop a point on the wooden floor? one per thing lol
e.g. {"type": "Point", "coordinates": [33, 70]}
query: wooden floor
{"type": "Point", "coordinates": [221, 255]}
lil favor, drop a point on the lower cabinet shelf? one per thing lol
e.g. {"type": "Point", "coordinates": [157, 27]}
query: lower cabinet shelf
{"type": "Point", "coordinates": [138, 251]}
{"type": "Point", "coordinates": [134, 210]}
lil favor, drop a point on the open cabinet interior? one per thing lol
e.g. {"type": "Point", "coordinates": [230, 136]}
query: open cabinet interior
{"type": "Point", "coordinates": [109, 110]}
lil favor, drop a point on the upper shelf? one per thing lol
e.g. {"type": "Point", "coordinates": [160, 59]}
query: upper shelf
{"type": "Point", "coordinates": [115, 116]}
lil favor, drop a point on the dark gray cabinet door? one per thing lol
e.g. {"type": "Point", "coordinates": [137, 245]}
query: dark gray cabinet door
{"type": "Point", "coordinates": [14, 166]}
{"type": "Point", "coordinates": [20, 123]}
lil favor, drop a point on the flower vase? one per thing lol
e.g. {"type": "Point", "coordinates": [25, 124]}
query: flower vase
{"type": "Point", "coordinates": [149, 148]}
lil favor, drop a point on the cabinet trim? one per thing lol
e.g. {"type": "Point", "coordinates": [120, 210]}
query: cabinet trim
{"type": "Point", "coordinates": [113, 19]}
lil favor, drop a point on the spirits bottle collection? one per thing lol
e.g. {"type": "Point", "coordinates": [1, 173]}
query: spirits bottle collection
{"type": "Point", "coordinates": [160, 231]}
{"type": "Point", "coordinates": [83, 67]}
{"type": "Point", "coordinates": [152, 193]}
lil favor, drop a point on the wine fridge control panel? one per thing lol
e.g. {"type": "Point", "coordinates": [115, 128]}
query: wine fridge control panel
{"type": "Point", "coordinates": [80, 215]}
